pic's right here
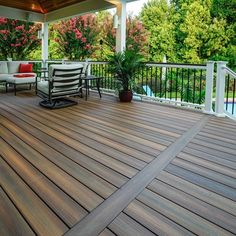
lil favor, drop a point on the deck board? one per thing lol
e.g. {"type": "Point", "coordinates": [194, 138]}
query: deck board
{"type": "Point", "coordinates": [11, 221]}
{"type": "Point", "coordinates": [60, 167]}
{"type": "Point", "coordinates": [61, 203]}
{"type": "Point", "coordinates": [35, 211]}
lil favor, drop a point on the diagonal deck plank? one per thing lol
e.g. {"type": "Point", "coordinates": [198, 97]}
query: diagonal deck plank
{"type": "Point", "coordinates": [122, 197]}
{"type": "Point", "coordinates": [11, 221]}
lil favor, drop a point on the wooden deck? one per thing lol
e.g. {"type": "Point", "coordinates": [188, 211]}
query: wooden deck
{"type": "Point", "coordinates": [107, 168]}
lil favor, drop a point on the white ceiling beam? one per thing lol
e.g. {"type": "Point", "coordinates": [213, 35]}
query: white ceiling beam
{"type": "Point", "coordinates": [19, 14]}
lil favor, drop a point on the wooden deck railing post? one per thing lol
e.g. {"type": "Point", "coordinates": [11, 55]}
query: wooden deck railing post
{"type": "Point", "coordinates": [209, 86]}
{"type": "Point", "coordinates": [220, 88]}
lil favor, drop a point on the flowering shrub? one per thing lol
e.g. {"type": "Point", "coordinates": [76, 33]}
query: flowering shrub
{"type": "Point", "coordinates": [76, 37]}
{"type": "Point", "coordinates": [17, 38]}
{"type": "Point", "coordinates": [136, 35]}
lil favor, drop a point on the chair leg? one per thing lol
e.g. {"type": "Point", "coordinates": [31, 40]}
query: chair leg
{"type": "Point", "coordinates": [86, 88]}
{"type": "Point", "coordinates": [6, 88]}
{"type": "Point", "coordinates": [98, 87]}
{"type": "Point", "coordinates": [15, 89]}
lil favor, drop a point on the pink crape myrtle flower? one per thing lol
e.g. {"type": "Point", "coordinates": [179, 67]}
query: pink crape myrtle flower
{"type": "Point", "coordinates": [87, 46]}
{"type": "Point", "coordinates": [4, 31]}
{"type": "Point", "coordinates": [3, 20]}
{"type": "Point", "coordinates": [20, 27]}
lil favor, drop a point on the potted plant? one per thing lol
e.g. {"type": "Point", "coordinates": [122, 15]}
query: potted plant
{"type": "Point", "coordinates": [124, 65]}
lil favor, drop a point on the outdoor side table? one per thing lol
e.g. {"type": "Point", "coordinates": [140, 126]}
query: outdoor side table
{"type": "Point", "coordinates": [87, 80]}
{"type": "Point", "coordinates": [42, 73]}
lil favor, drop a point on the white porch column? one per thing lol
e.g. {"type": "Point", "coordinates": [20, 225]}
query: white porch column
{"type": "Point", "coordinates": [44, 42]}
{"type": "Point", "coordinates": [209, 86]}
{"type": "Point", "coordinates": [220, 88]}
{"type": "Point", "coordinates": [121, 30]}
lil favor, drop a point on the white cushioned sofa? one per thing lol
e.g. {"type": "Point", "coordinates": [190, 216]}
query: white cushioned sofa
{"type": "Point", "coordinates": [10, 68]}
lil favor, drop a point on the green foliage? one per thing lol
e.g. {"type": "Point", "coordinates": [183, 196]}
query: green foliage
{"type": "Point", "coordinates": [203, 36]}
{"type": "Point", "coordinates": [125, 65]}
{"type": "Point", "coordinates": [189, 95]}
{"type": "Point", "coordinates": [17, 38]}
{"type": "Point", "coordinates": [157, 18]}
{"type": "Point", "coordinates": [225, 9]}
{"type": "Point", "coordinates": [191, 31]}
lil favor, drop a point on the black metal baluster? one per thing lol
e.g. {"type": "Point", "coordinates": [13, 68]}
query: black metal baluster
{"type": "Point", "coordinates": [166, 76]}
{"type": "Point", "coordinates": [182, 84]}
{"type": "Point", "coordinates": [160, 68]}
{"type": "Point", "coordinates": [156, 77]}
{"type": "Point", "coordinates": [142, 79]}
{"type": "Point", "coordinates": [171, 71]}
{"type": "Point", "coordinates": [233, 102]}
{"type": "Point", "coordinates": [147, 69]}
{"type": "Point", "coordinates": [227, 93]}
{"type": "Point", "coordinates": [200, 89]}
{"type": "Point", "coordinates": [188, 85]}
{"type": "Point", "coordinates": [194, 84]}
{"type": "Point", "coordinates": [176, 89]}
{"type": "Point", "coordinates": [151, 83]}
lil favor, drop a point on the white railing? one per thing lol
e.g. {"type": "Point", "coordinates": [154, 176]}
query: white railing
{"type": "Point", "coordinates": [223, 72]}
{"type": "Point", "coordinates": [225, 99]}
{"type": "Point", "coordinates": [224, 96]}
{"type": "Point", "coordinates": [207, 75]}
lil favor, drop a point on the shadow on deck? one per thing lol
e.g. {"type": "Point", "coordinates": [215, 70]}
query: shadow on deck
{"type": "Point", "coordinates": [109, 168]}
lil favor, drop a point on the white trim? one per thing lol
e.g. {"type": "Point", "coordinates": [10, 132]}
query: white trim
{"type": "Point", "coordinates": [230, 72]}
{"type": "Point", "coordinates": [177, 66]}
{"type": "Point", "coordinates": [209, 86]}
{"type": "Point", "coordinates": [44, 41]}
{"type": "Point", "coordinates": [230, 115]}
{"type": "Point", "coordinates": [220, 88]}
{"type": "Point", "coordinates": [78, 9]}
{"type": "Point", "coordinates": [121, 30]}
{"type": "Point", "coordinates": [14, 13]}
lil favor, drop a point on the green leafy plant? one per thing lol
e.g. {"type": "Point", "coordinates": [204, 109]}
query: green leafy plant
{"type": "Point", "coordinates": [188, 95]}
{"type": "Point", "coordinates": [125, 65]}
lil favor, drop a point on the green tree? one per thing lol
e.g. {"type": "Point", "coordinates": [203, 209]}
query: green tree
{"type": "Point", "coordinates": [158, 18]}
{"type": "Point", "coordinates": [201, 35]}
{"type": "Point", "coordinates": [226, 10]}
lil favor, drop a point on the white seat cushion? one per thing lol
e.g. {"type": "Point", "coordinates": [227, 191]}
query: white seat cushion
{"type": "Point", "coordinates": [24, 80]}
{"type": "Point", "coordinates": [3, 67]}
{"type": "Point", "coordinates": [63, 67]}
{"type": "Point", "coordinates": [3, 77]}
{"type": "Point", "coordinates": [43, 86]}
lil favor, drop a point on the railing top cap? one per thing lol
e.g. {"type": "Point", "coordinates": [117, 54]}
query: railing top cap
{"type": "Point", "coordinates": [222, 62]}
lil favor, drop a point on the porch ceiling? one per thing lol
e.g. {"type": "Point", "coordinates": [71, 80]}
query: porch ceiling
{"type": "Point", "coordinates": [39, 6]}
{"type": "Point", "coordinates": [51, 10]}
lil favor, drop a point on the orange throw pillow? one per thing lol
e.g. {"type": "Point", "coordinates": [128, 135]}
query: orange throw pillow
{"type": "Point", "coordinates": [25, 68]}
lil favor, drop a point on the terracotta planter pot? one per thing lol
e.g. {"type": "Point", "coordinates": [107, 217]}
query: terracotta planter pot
{"type": "Point", "coordinates": [126, 96]}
